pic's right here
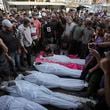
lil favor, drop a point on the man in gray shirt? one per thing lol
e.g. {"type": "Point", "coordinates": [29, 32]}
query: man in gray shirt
{"type": "Point", "coordinates": [87, 35]}
{"type": "Point", "coordinates": [77, 38]}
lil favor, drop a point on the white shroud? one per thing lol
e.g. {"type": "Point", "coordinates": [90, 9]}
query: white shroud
{"type": "Point", "coordinates": [41, 95]}
{"type": "Point", "coordinates": [64, 59]}
{"type": "Point", "coordinates": [57, 69]}
{"type": "Point", "coordinates": [18, 103]}
{"type": "Point", "coordinates": [53, 81]}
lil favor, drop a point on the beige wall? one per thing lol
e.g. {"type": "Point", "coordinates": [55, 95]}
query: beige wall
{"type": "Point", "coordinates": [50, 0]}
{"type": "Point", "coordinates": [108, 1]}
{"type": "Point", "coordinates": [41, 0]}
{"type": "Point", "coordinates": [38, 0]}
{"type": "Point", "coordinates": [29, 0]}
{"type": "Point", "coordinates": [57, 1]}
{"type": "Point", "coordinates": [95, 1]}
{"type": "Point", "coordinates": [81, 1]}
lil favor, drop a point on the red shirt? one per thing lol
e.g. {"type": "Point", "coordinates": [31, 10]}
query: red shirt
{"type": "Point", "coordinates": [37, 24]}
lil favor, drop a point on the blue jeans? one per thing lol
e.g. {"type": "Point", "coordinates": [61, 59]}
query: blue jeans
{"type": "Point", "coordinates": [16, 59]}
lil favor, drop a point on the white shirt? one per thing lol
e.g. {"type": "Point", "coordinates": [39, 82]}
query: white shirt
{"type": "Point", "coordinates": [25, 32]}
{"type": "Point", "coordinates": [68, 29]}
{"type": "Point", "coordinates": [33, 33]}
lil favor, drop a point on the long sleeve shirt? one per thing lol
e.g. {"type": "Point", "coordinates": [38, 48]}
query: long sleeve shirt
{"type": "Point", "coordinates": [25, 34]}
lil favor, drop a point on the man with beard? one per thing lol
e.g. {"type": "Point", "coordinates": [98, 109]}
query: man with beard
{"type": "Point", "coordinates": [11, 41]}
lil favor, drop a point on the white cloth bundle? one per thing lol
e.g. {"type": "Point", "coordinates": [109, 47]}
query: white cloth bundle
{"type": "Point", "coordinates": [18, 103]}
{"type": "Point", "coordinates": [41, 95]}
{"type": "Point", "coordinates": [64, 59]}
{"type": "Point", "coordinates": [53, 81]}
{"type": "Point", "coordinates": [57, 69]}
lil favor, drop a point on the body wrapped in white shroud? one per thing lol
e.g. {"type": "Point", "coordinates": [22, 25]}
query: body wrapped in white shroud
{"type": "Point", "coordinates": [53, 81]}
{"type": "Point", "coordinates": [65, 59]}
{"type": "Point", "coordinates": [42, 95]}
{"type": "Point", "coordinates": [18, 103]}
{"type": "Point", "coordinates": [57, 69]}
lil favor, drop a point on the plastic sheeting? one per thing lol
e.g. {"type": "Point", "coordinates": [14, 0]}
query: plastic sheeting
{"type": "Point", "coordinates": [41, 95]}
{"type": "Point", "coordinates": [18, 103]}
{"type": "Point", "coordinates": [65, 59]}
{"type": "Point", "coordinates": [57, 70]}
{"type": "Point", "coordinates": [53, 81]}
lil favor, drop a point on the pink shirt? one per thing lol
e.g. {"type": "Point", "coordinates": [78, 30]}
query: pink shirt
{"type": "Point", "coordinates": [37, 24]}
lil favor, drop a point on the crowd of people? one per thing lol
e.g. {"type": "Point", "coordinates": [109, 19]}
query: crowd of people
{"type": "Point", "coordinates": [85, 34]}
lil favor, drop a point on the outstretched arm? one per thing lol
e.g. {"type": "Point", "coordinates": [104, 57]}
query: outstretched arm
{"type": "Point", "coordinates": [103, 44]}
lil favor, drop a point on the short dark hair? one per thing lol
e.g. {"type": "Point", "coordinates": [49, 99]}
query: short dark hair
{"type": "Point", "coordinates": [26, 21]}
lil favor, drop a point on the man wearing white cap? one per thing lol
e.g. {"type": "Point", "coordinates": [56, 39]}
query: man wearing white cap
{"type": "Point", "coordinates": [7, 24]}
{"type": "Point", "coordinates": [11, 41]}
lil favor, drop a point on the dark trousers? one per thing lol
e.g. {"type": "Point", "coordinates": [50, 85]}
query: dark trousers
{"type": "Point", "coordinates": [28, 56]}
{"type": "Point", "coordinates": [84, 51]}
{"type": "Point", "coordinates": [75, 47]}
{"type": "Point", "coordinates": [94, 81]}
{"type": "Point", "coordinates": [101, 105]}
{"type": "Point", "coordinates": [5, 70]}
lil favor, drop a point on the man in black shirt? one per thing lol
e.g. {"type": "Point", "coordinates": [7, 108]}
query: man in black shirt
{"type": "Point", "coordinates": [11, 41]}
{"type": "Point", "coordinates": [48, 31]}
{"type": "Point", "coordinates": [4, 65]}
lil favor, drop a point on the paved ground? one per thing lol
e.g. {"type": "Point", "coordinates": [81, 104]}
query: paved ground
{"type": "Point", "coordinates": [55, 90]}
